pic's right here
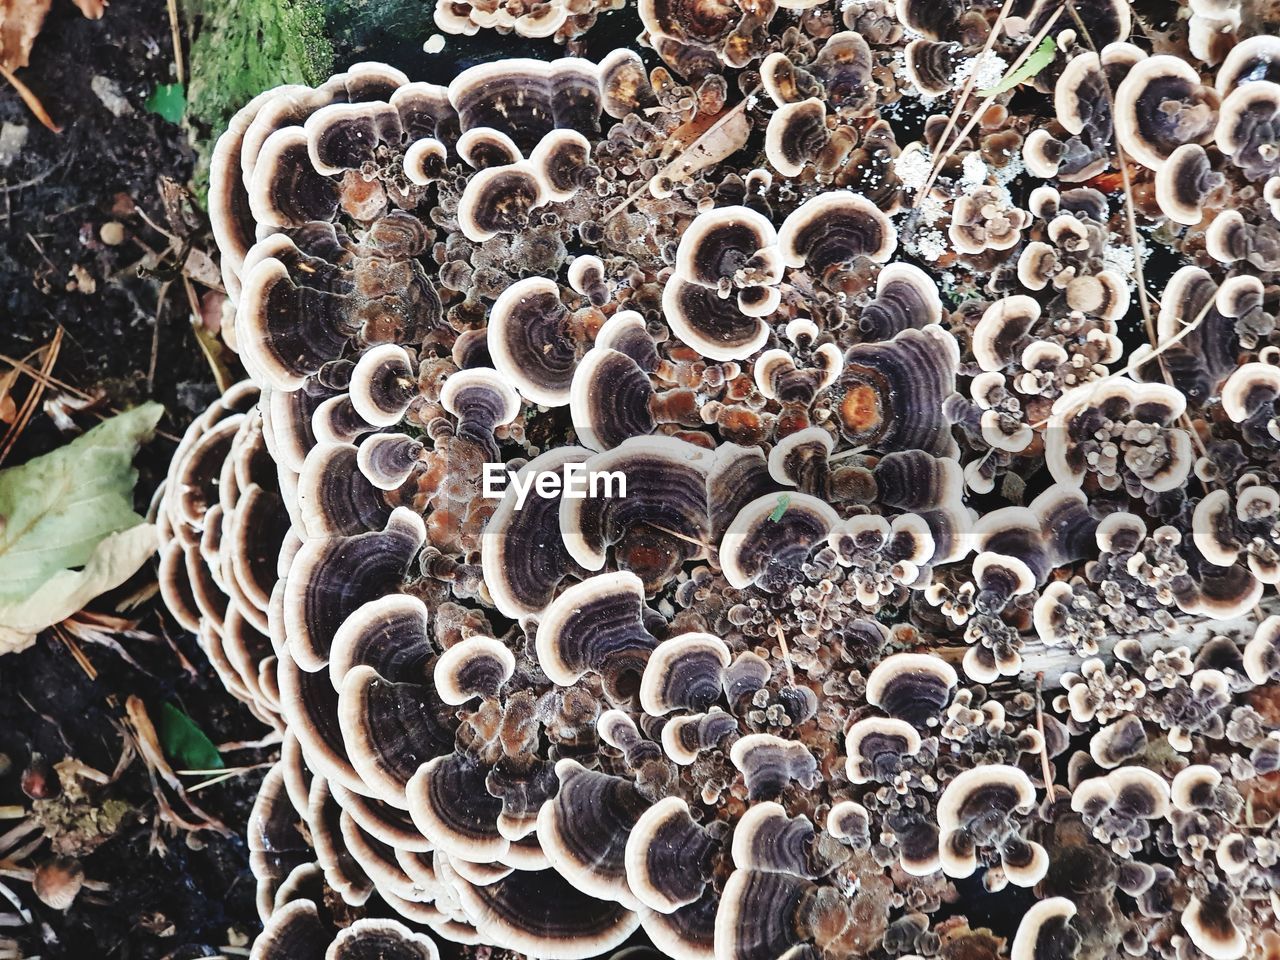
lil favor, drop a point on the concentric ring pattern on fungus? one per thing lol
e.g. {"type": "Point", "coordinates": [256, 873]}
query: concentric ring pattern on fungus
{"type": "Point", "coordinates": [937, 618]}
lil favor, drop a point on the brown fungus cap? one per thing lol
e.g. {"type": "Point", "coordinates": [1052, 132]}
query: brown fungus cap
{"type": "Point", "coordinates": [484, 147]}
{"type": "Point", "coordinates": [931, 65]}
{"type": "Point", "coordinates": [330, 578]}
{"type": "Point", "coordinates": [1045, 933]}
{"type": "Point", "coordinates": [717, 327]}
{"type": "Point", "coordinates": [562, 163]}
{"type": "Point", "coordinates": [526, 99]}
{"type": "Point", "coordinates": [1184, 182]}
{"type": "Point", "coordinates": [584, 830]}
{"type": "Point", "coordinates": [1160, 105]}
{"type": "Point", "coordinates": [476, 667]}
{"type": "Point", "coordinates": [1262, 652]}
{"type": "Point", "coordinates": [586, 275]}
{"type": "Point", "coordinates": [905, 297]}
{"type": "Point", "coordinates": [796, 134]}
{"type": "Point", "coordinates": [333, 496]}
{"type": "Point", "coordinates": [425, 161]}
{"type": "Point", "coordinates": [388, 728]}
{"type": "Point", "coordinates": [912, 686]}
{"type": "Point", "coordinates": [684, 672]}
{"type": "Point", "coordinates": [833, 230]}
{"type": "Point", "coordinates": [1211, 926]}
{"type": "Point", "coordinates": [876, 748]}
{"type": "Point", "coordinates": [286, 331]}
{"type": "Point", "coordinates": [377, 939]}
{"type": "Point", "coordinates": [766, 838]}
{"type": "Point", "coordinates": [972, 799]}
{"type": "Point", "coordinates": [530, 342]}
{"type": "Point", "coordinates": [665, 519]}
{"type": "Point", "coordinates": [383, 384]}
{"type": "Point", "coordinates": [1247, 128]}
{"type": "Point", "coordinates": [889, 395]}
{"type": "Point", "coordinates": [668, 857]}
{"type": "Point", "coordinates": [387, 460]}
{"type": "Point", "coordinates": [770, 764]}
{"type": "Point", "coordinates": [1255, 58]}
{"type": "Point", "coordinates": [624, 84]}
{"type": "Point", "coordinates": [293, 931]}
{"type": "Point", "coordinates": [348, 136]}
{"type": "Point", "coordinates": [449, 803]}
{"type": "Point", "coordinates": [482, 400]}
{"type": "Point", "coordinates": [610, 399]}
{"type": "Point", "coordinates": [500, 200]}
{"type": "Point", "coordinates": [390, 634]}
{"type": "Point", "coordinates": [724, 245]}
{"type": "Point", "coordinates": [764, 914]}
{"type": "Point", "coordinates": [522, 555]}
{"type": "Point", "coordinates": [542, 914]}
{"type": "Point", "coordinates": [596, 626]}
{"type": "Point", "coordinates": [762, 545]}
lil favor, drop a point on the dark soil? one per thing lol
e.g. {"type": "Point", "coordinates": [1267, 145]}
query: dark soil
{"type": "Point", "coordinates": [171, 893]}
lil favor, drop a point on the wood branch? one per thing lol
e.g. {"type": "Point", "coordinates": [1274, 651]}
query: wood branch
{"type": "Point", "coordinates": [1190, 632]}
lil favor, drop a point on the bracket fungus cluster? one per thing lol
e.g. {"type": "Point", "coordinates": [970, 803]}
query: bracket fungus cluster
{"type": "Point", "coordinates": [927, 612]}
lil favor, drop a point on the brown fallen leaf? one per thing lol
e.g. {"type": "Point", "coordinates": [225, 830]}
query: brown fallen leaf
{"type": "Point", "coordinates": [20, 23]}
{"type": "Point", "coordinates": [92, 9]}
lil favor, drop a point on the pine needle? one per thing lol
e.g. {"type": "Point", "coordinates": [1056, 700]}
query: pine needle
{"type": "Point", "coordinates": [30, 99]}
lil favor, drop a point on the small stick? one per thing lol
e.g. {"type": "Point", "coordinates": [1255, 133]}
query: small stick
{"type": "Point", "coordinates": [1046, 768]}
{"type": "Point", "coordinates": [176, 32]}
{"type": "Point", "coordinates": [982, 108]}
{"type": "Point", "coordinates": [155, 336]}
{"type": "Point", "coordinates": [786, 651]}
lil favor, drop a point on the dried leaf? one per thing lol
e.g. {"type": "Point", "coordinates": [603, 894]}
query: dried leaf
{"type": "Point", "coordinates": [115, 558]}
{"type": "Point", "coordinates": [20, 23]}
{"type": "Point", "coordinates": [69, 509]}
{"type": "Point", "coordinates": [724, 137]}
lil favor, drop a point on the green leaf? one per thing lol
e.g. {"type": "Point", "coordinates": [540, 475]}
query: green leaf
{"type": "Point", "coordinates": [184, 743]}
{"type": "Point", "coordinates": [59, 512]}
{"type": "Point", "coordinates": [784, 501]}
{"type": "Point", "coordinates": [169, 101]}
{"type": "Point", "coordinates": [1040, 58]}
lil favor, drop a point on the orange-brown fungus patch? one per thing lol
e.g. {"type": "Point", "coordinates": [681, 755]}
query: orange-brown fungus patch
{"type": "Point", "coordinates": [860, 409]}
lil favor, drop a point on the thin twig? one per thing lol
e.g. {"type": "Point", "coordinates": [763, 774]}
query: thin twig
{"type": "Point", "coordinates": [37, 179]}
{"type": "Point", "coordinates": [161, 296]}
{"type": "Point", "coordinates": [945, 155]}
{"type": "Point", "coordinates": [971, 80]}
{"type": "Point", "coordinates": [35, 374]}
